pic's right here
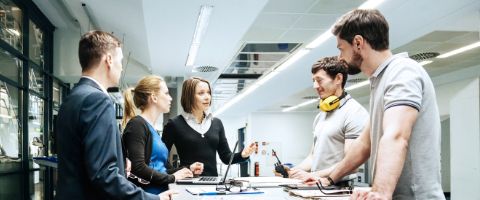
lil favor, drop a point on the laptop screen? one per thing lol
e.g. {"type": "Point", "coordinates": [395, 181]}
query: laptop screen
{"type": "Point", "coordinates": [229, 163]}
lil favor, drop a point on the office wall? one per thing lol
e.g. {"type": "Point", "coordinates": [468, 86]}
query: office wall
{"type": "Point", "coordinates": [289, 134]}
{"type": "Point", "coordinates": [465, 141]}
{"type": "Point", "coordinates": [231, 125]}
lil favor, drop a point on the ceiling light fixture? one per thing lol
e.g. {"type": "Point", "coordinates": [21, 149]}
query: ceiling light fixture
{"type": "Point", "coordinates": [425, 62]}
{"type": "Point", "coordinates": [200, 29]}
{"type": "Point", "coordinates": [320, 39]}
{"type": "Point", "coordinates": [371, 4]}
{"type": "Point", "coordinates": [460, 50]}
{"type": "Point", "coordinates": [300, 105]}
{"type": "Point", "coordinates": [358, 85]}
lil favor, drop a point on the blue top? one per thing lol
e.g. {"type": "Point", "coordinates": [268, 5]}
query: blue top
{"type": "Point", "coordinates": [158, 159]}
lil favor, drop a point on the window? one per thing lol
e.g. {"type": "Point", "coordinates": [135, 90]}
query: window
{"type": "Point", "coordinates": [11, 67]}
{"type": "Point", "coordinates": [35, 45]}
{"type": "Point", "coordinates": [10, 123]}
{"type": "Point", "coordinates": [11, 24]}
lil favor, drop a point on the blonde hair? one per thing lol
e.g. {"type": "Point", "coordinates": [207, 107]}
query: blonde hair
{"type": "Point", "coordinates": [128, 107]}
{"type": "Point", "coordinates": [138, 96]}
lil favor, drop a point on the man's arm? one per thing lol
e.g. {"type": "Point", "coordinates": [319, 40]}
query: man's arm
{"type": "Point", "coordinates": [356, 155]}
{"type": "Point", "coordinates": [398, 123]}
{"type": "Point", "coordinates": [301, 170]}
{"type": "Point", "coordinates": [306, 164]}
{"type": "Point", "coordinates": [328, 171]}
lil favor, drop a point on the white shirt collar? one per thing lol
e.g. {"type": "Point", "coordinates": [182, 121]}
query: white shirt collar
{"type": "Point", "coordinates": [96, 82]}
{"type": "Point", "coordinates": [189, 116]}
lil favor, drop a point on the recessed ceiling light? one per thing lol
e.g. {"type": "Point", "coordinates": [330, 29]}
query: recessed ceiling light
{"type": "Point", "coordinates": [206, 68]}
{"type": "Point", "coordinates": [424, 56]}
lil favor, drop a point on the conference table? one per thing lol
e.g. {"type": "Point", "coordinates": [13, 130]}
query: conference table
{"type": "Point", "coordinates": [267, 193]}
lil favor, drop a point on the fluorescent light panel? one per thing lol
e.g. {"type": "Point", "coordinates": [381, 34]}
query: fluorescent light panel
{"type": "Point", "coordinates": [300, 105]}
{"type": "Point", "coordinates": [425, 62]}
{"type": "Point", "coordinates": [459, 50]}
{"type": "Point", "coordinates": [200, 29]}
{"type": "Point", "coordinates": [358, 85]}
{"type": "Point", "coordinates": [371, 4]}
{"type": "Point", "coordinates": [320, 39]}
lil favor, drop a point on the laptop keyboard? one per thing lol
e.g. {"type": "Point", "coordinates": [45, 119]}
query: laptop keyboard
{"type": "Point", "coordinates": [208, 179]}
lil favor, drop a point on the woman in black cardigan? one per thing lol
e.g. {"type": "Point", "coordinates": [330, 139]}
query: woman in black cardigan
{"type": "Point", "coordinates": [196, 134]}
{"type": "Point", "coordinates": [143, 144]}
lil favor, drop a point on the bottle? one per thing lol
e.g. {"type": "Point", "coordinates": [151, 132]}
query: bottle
{"type": "Point", "coordinates": [257, 169]}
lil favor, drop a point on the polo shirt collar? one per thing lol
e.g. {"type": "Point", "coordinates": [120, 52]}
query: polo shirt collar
{"type": "Point", "coordinates": [387, 62]}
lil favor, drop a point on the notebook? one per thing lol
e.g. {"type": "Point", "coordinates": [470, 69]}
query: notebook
{"type": "Point", "coordinates": [209, 180]}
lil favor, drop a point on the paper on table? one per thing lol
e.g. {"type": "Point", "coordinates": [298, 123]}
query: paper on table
{"type": "Point", "coordinates": [213, 191]}
{"type": "Point", "coordinates": [258, 182]}
{"type": "Point", "coordinates": [273, 179]}
{"type": "Point", "coordinates": [200, 190]}
{"type": "Point", "coordinates": [317, 193]}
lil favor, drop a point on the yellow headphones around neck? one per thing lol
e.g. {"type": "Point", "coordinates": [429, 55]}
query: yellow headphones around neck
{"type": "Point", "coordinates": [331, 103]}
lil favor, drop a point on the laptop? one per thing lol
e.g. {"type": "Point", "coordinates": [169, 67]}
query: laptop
{"type": "Point", "coordinates": [209, 180]}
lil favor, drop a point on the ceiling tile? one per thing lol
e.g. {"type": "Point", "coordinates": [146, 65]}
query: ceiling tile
{"type": "Point", "coordinates": [300, 36]}
{"type": "Point", "coordinates": [263, 34]}
{"type": "Point", "coordinates": [315, 21]}
{"type": "Point", "coordinates": [279, 21]}
{"type": "Point", "coordinates": [335, 6]}
{"type": "Point", "coordinates": [440, 36]}
{"type": "Point", "coordinates": [288, 6]}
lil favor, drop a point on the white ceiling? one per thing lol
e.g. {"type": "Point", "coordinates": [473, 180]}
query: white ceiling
{"type": "Point", "coordinates": [157, 35]}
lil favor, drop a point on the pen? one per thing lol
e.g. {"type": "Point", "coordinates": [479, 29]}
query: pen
{"type": "Point", "coordinates": [212, 193]}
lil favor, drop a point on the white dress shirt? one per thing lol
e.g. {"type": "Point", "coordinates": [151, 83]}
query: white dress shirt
{"type": "Point", "coordinates": [201, 128]}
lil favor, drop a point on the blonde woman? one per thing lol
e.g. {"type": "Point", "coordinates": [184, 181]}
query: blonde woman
{"type": "Point", "coordinates": [143, 145]}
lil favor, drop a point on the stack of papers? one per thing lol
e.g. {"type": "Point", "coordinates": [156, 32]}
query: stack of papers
{"type": "Point", "coordinates": [213, 191]}
{"type": "Point", "coordinates": [318, 194]}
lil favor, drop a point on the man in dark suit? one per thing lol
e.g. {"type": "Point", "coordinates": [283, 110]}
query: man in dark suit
{"type": "Point", "coordinates": [90, 155]}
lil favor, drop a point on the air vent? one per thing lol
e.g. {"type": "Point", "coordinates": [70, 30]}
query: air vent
{"type": "Point", "coordinates": [424, 56]}
{"type": "Point", "coordinates": [310, 97]}
{"type": "Point", "coordinates": [356, 80]}
{"type": "Point", "coordinates": [285, 106]}
{"type": "Point", "coordinates": [205, 68]}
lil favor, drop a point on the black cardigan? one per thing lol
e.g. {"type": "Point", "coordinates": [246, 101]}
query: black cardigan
{"type": "Point", "coordinates": [138, 145]}
{"type": "Point", "coordinates": [191, 147]}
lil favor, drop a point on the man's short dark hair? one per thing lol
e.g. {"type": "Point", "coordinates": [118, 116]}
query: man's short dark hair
{"type": "Point", "coordinates": [93, 45]}
{"type": "Point", "coordinates": [332, 66]}
{"type": "Point", "coordinates": [370, 24]}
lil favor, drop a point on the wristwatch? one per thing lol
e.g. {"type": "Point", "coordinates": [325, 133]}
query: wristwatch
{"type": "Point", "coordinates": [330, 180]}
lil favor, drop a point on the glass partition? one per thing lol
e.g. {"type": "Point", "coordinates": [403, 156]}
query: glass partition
{"type": "Point", "coordinates": [10, 133]}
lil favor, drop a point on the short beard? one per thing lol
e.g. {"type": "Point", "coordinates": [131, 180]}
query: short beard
{"type": "Point", "coordinates": [354, 66]}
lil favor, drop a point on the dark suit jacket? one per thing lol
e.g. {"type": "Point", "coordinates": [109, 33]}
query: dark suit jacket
{"type": "Point", "coordinates": [90, 159]}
